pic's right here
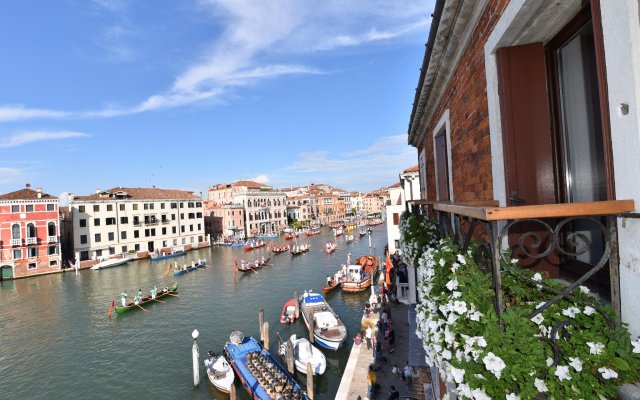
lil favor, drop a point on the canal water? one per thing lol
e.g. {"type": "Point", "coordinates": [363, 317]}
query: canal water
{"type": "Point", "coordinates": [56, 341]}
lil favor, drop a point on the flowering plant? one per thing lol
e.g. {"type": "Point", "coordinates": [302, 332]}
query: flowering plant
{"type": "Point", "coordinates": [462, 335]}
{"type": "Point", "coordinates": [416, 234]}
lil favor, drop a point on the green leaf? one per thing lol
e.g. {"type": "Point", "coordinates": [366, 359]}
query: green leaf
{"type": "Point", "coordinates": [620, 364]}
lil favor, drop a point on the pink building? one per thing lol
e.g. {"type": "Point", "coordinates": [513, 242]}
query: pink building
{"type": "Point", "coordinates": [29, 234]}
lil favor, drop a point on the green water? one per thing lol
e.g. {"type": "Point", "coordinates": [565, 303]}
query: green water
{"type": "Point", "coordinates": [56, 341]}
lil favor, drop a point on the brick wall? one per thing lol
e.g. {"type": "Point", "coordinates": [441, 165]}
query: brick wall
{"type": "Point", "coordinates": [466, 98]}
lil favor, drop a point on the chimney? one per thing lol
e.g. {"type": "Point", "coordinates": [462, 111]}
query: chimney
{"type": "Point", "coordinates": [39, 191]}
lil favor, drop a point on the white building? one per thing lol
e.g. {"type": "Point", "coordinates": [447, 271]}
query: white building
{"type": "Point", "coordinates": [125, 220]}
{"type": "Point", "coordinates": [394, 210]}
{"type": "Point", "coordinates": [265, 207]}
{"type": "Point", "coordinates": [302, 208]}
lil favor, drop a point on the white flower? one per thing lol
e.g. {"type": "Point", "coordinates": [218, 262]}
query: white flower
{"type": "Point", "coordinates": [494, 364]}
{"type": "Point", "coordinates": [452, 318]}
{"type": "Point", "coordinates": [447, 355]}
{"type": "Point", "coordinates": [537, 277]}
{"type": "Point", "coordinates": [442, 262]}
{"type": "Point", "coordinates": [571, 312]}
{"type": "Point", "coordinates": [514, 261]}
{"type": "Point", "coordinates": [475, 316]}
{"type": "Point", "coordinates": [538, 319]}
{"type": "Point", "coordinates": [540, 385]}
{"type": "Point", "coordinates": [480, 394]}
{"type": "Point", "coordinates": [454, 267]}
{"type": "Point", "coordinates": [608, 373]}
{"type": "Point", "coordinates": [452, 285]}
{"type": "Point", "coordinates": [562, 372]}
{"type": "Point", "coordinates": [595, 348]}
{"type": "Point", "coordinates": [549, 362]}
{"type": "Point", "coordinates": [588, 310]}
{"type": "Point", "coordinates": [636, 345]}
{"type": "Point", "coordinates": [576, 363]}
{"type": "Point", "coordinates": [458, 374]}
{"type": "Point", "coordinates": [513, 396]}
{"type": "Point", "coordinates": [456, 295]}
{"type": "Point", "coordinates": [460, 307]}
{"type": "Point", "coordinates": [464, 390]}
{"type": "Point", "coordinates": [461, 259]}
{"type": "Point", "coordinates": [585, 290]}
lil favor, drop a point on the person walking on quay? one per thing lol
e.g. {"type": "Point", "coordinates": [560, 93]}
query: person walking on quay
{"type": "Point", "coordinates": [390, 335]}
{"type": "Point", "coordinates": [367, 336]}
{"type": "Point", "coordinates": [372, 380]}
{"type": "Point", "coordinates": [377, 350]}
{"type": "Point", "coordinates": [393, 393]}
{"type": "Point", "coordinates": [123, 298]}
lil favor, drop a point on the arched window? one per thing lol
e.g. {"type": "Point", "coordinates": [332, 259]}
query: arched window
{"type": "Point", "coordinates": [31, 230]}
{"type": "Point", "coordinates": [248, 203]}
{"type": "Point", "coordinates": [15, 231]}
{"type": "Point", "coordinates": [51, 229]}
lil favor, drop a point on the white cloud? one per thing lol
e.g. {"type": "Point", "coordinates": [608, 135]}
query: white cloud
{"type": "Point", "coordinates": [14, 113]}
{"type": "Point", "coordinates": [7, 175]}
{"type": "Point", "coordinates": [261, 179]}
{"type": "Point", "coordinates": [19, 139]}
{"type": "Point", "coordinates": [365, 169]}
{"type": "Point", "coordinates": [259, 40]}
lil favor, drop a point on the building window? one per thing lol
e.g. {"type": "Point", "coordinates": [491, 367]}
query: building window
{"type": "Point", "coordinates": [29, 208]}
{"type": "Point", "coordinates": [98, 253]}
{"type": "Point", "coordinates": [200, 226]}
{"type": "Point", "coordinates": [182, 229]}
{"type": "Point", "coordinates": [173, 217]}
{"type": "Point", "coordinates": [83, 239]}
{"type": "Point", "coordinates": [96, 208]}
{"type": "Point", "coordinates": [123, 235]}
{"type": "Point", "coordinates": [198, 204]}
{"type": "Point", "coordinates": [137, 247]}
{"type": "Point", "coordinates": [135, 207]}
{"type": "Point", "coordinates": [192, 215]}
{"type": "Point", "coordinates": [199, 215]}
{"type": "Point", "coordinates": [124, 220]}
{"type": "Point", "coordinates": [181, 215]}
{"type": "Point", "coordinates": [96, 222]}
{"type": "Point", "coordinates": [175, 242]}
{"type": "Point", "coordinates": [17, 254]}
{"type": "Point", "coordinates": [98, 238]}
{"type": "Point", "coordinates": [396, 218]}
{"type": "Point", "coordinates": [153, 231]}
{"type": "Point", "coordinates": [174, 205]}
{"type": "Point", "coordinates": [173, 230]}
{"type": "Point", "coordinates": [32, 266]}
{"type": "Point", "coordinates": [110, 221]}
{"type": "Point", "coordinates": [164, 231]}
{"type": "Point", "coordinates": [51, 207]}
{"type": "Point", "coordinates": [15, 231]}
{"type": "Point", "coordinates": [151, 206]}
{"type": "Point", "coordinates": [84, 255]}
{"type": "Point", "coordinates": [109, 207]}
{"type": "Point", "coordinates": [190, 205]}
{"type": "Point", "coordinates": [146, 233]}
{"type": "Point", "coordinates": [82, 223]}
{"type": "Point", "coordinates": [32, 252]}
{"type": "Point", "coordinates": [51, 229]}
{"type": "Point", "coordinates": [124, 249]}
{"type": "Point", "coordinates": [31, 230]}
{"type": "Point", "coordinates": [81, 209]}
{"type": "Point", "coordinates": [15, 208]}
{"type": "Point", "coordinates": [52, 250]}
{"type": "Point", "coordinates": [190, 228]}
{"type": "Point", "coordinates": [112, 236]}
{"type": "Point", "coordinates": [112, 250]}
{"type": "Point", "coordinates": [181, 205]}
{"type": "Point", "coordinates": [53, 263]}
{"type": "Point", "coordinates": [136, 220]}
{"type": "Point", "coordinates": [162, 206]}
{"type": "Point", "coordinates": [122, 207]}
{"type": "Point", "coordinates": [136, 234]}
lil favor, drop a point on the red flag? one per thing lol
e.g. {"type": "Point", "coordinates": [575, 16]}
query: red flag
{"type": "Point", "coordinates": [235, 267]}
{"type": "Point", "coordinates": [389, 265]}
{"type": "Point", "coordinates": [113, 304]}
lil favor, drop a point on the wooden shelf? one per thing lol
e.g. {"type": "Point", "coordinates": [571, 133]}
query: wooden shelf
{"type": "Point", "coordinates": [564, 210]}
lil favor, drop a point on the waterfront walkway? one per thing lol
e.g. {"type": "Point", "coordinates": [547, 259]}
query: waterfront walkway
{"type": "Point", "coordinates": [354, 379]}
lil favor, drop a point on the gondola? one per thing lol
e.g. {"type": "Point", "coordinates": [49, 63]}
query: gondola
{"type": "Point", "coordinates": [173, 290]}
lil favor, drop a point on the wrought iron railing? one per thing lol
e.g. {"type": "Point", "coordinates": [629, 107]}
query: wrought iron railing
{"type": "Point", "coordinates": [535, 232]}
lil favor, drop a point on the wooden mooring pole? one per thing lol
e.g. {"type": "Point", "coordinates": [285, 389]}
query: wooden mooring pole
{"type": "Point", "coordinates": [311, 327]}
{"type": "Point", "coordinates": [260, 320]}
{"type": "Point", "coordinates": [309, 381]}
{"type": "Point", "coordinates": [232, 392]}
{"type": "Point", "coordinates": [288, 353]}
{"type": "Point", "coordinates": [265, 334]}
{"type": "Point", "coordinates": [296, 313]}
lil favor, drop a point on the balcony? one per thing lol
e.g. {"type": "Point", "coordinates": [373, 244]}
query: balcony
{"type": "Point", "coordinates": [32, 240]}
{"type": "Point", "coordinates": [16, 242]}
{"type": "Point", "coordinates": [151, 222]}
{"type": "Point", "coordinates": [52, 239]}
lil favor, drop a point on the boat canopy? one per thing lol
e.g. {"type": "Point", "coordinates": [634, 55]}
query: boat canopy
{"type": "Point", "coordinates": [304, 350]}
{"type": "Point", "coordinates": [314, 299]}
{"type": "Point", "coordinates": [325, 319]}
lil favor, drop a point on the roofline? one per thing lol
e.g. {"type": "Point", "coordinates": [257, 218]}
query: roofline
{"type": "Point", "coordinates": [435, 23]}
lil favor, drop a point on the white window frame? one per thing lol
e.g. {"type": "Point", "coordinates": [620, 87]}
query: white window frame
{"type": "Point", "coordinates": [443, 124]}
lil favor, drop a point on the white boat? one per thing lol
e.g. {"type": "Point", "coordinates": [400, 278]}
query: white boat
{"type": "Point", "coordinates": [111, 262]}
{"type": "Point", "coordinates": [328, 330]}
{"type": "Point", "coordinates": [219, 372]}
{"type": "Point", "coordinates": [304, 352]}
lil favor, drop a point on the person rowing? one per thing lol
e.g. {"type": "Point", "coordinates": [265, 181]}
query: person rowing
{"type": "Point", "coordinates": [123, 298]}
{"type": "Point", "coordinates": [154, 292]}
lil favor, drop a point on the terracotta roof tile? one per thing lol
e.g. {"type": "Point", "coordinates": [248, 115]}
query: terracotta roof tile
{"type": "Point", "coordinates": [142, 194]}
{"type": "Point", "coordinates": [25, 194]}
{"type": "Point", "coordinates": [250, 184]}
{"type": "Point", "coordinates": [415, 168]}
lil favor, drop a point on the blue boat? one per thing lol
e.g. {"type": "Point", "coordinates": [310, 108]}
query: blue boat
{"type": "Point", "coordinates": [162, 256]}
{"type": "Point", "coordinates": [189, 268]}
{"type": "Point", "coordinates": [259, 372]}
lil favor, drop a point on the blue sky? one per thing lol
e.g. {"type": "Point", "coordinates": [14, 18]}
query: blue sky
{"type": "Point", "coordinates": [96, 94]}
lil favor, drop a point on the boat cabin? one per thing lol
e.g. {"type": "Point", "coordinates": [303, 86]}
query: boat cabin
{"type": "Point", "coordinates": [355, 273]}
